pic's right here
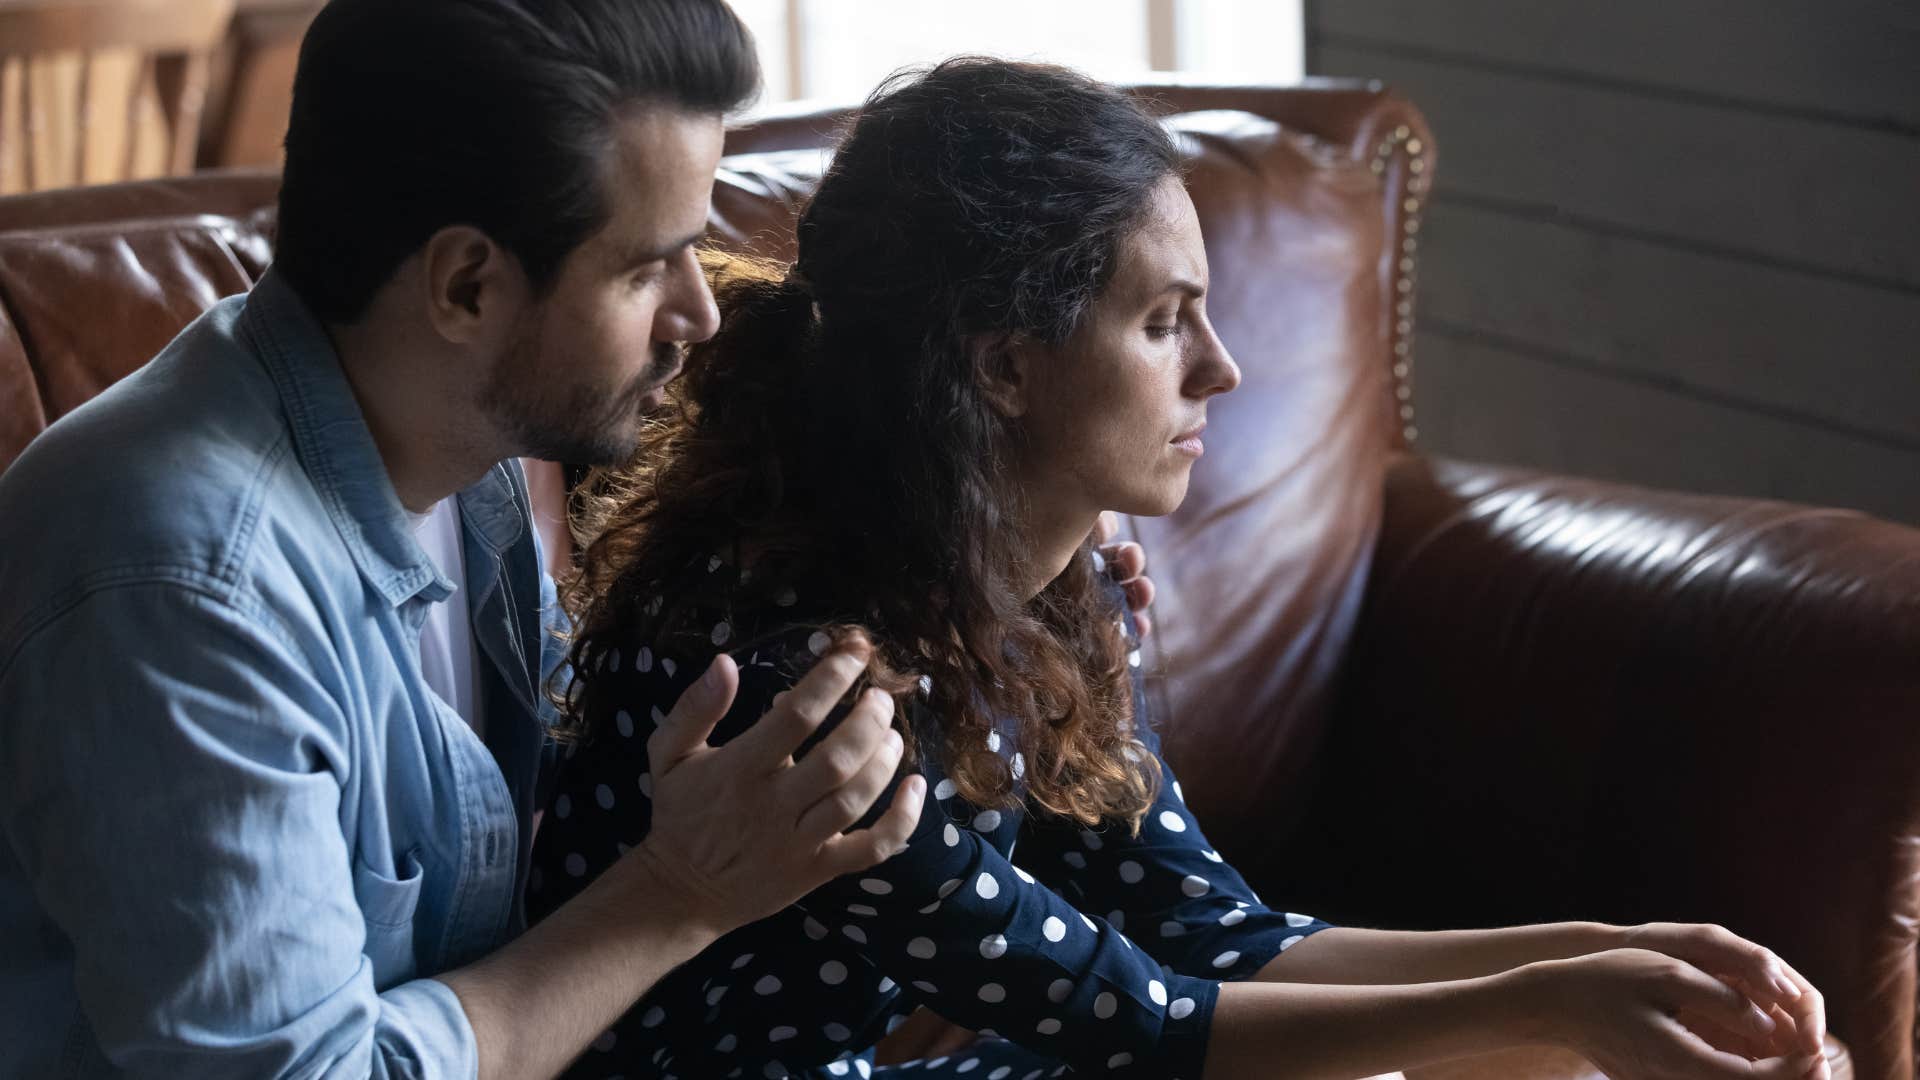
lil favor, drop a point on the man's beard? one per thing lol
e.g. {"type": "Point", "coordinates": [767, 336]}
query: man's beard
{"type": "Point", "coordinates": [545, 417]}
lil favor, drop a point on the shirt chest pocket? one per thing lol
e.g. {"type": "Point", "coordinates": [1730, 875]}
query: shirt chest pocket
{"type": "Point", "coordinates": [388, 905]}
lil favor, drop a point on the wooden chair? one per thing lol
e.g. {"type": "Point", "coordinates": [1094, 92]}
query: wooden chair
{"type": "Point", "coordinates": [95, 91]}
{"type": "Point", "coordinates": [251, 91]}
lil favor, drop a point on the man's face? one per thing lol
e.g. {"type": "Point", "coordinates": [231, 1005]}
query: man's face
{"type": "Point", "coordinates": [587, 362]}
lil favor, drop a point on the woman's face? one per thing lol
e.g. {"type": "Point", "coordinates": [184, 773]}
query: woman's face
{"type": "Point", "coordinates": [1113, 417]}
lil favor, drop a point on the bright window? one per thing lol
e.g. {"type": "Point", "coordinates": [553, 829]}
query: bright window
{"type": "Point", "coordinates": [838, 50]}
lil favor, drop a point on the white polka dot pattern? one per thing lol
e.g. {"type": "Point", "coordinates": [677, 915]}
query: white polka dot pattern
{"type": "Point", "coordinates": [986, 942]}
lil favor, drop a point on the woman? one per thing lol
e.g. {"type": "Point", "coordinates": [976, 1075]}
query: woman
{"type": "Point", "coordinates": [996, 328]}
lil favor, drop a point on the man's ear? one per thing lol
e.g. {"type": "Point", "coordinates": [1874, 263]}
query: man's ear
{"type": "Point", "coordinates": [1003, 367]}
{"type": "Point", "coordinates": [472, 284]}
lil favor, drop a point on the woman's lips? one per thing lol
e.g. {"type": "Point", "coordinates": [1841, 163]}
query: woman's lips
{"type": "Point", "coordinates": [1189, 442]}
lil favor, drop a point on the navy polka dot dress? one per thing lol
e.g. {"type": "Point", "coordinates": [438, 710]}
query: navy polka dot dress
{"type": "Point", "coordinates": [1073, 951]}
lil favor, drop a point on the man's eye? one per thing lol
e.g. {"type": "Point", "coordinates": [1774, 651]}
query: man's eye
{"type": "Point", "coordinates": [1162, 331]}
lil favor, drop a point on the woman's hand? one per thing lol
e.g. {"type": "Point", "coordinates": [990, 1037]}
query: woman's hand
{"type": "Point", "coordinates": [742, 830]}
{"type": "Point", "coordinates": [1126, 562]}
{"type": "Point", "coordinates": [1623, 1010]}
{"type": "Point", "coordinates": [1797, 1008]}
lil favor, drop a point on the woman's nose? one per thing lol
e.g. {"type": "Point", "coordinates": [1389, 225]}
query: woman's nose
{"type": "Point", "coordinates": [1215, 373]}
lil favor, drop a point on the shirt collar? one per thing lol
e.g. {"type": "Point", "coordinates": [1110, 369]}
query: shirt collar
{"type": "Point", "coordinates": [334, 445]}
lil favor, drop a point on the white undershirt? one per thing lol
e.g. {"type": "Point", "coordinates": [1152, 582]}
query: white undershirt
{"type": "Point", "coordinates": [447, 656]}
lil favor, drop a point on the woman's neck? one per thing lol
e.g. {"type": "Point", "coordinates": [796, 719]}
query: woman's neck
{"type": "Point", "coordinates": [1051, 536]}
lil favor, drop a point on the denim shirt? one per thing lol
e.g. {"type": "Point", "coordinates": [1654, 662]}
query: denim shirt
{"type": "Point", "coordinates": [241, 834]}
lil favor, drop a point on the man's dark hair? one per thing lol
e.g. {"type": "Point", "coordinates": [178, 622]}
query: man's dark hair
{"type": "Point", "coordinates": [413, 115]}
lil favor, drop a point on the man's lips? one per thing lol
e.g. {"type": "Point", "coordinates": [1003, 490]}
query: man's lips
{"type": "Point", "coordinates": [655, 394]}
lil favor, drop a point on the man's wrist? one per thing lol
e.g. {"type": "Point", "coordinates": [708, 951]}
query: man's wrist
{"type": "Point", "coordinates": [649, 889]}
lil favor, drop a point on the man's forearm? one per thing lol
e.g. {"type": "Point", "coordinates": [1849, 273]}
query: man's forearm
{"type": "Point", "coordinates": [537, 1002]}
{"type": "Point", "coordinates": [1355, 957]}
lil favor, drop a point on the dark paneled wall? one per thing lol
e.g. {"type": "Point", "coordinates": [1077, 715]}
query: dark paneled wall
{"type": "Point", "coordinates": [1675, 242]}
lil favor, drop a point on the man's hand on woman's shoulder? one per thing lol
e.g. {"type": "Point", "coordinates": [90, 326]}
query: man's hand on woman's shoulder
{"type": "Point", "coordinates": [742, 830]}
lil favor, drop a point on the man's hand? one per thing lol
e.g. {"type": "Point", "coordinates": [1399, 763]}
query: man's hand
{"type": "Point", "coordinates": [1126, 561]}
{"type": "Point", "coordinates": [739, 832]}
{"type": "Point", "coordinates": [742, 830]}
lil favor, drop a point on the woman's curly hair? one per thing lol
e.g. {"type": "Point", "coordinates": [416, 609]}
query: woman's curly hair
{"type": "Point", "coordinates": [835, 424]}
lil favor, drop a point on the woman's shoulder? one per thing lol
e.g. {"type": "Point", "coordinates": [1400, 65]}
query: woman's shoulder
{"type": "Point", "coordinates": [760, 616]}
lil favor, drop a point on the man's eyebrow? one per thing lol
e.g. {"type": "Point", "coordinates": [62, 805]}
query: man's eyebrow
{"type": "Point", "coordinates": [642, 256]}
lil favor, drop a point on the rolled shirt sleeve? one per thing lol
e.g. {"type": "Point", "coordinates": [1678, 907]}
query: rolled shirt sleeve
{"type": "Point", "coordinates": [181, 825]}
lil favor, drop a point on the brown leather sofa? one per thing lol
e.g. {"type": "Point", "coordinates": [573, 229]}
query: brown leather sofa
{"type": "Point", "coordinates": [1402, 691]}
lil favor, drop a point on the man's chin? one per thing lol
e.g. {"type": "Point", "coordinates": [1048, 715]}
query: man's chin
{"type": "Point", "coordinates": [610, 445]}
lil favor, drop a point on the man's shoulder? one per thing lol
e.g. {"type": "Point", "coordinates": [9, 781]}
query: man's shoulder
{"type": "Point", "coordinates": [182, 471]}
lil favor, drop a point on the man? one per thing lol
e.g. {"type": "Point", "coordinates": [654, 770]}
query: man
{"type": "Point", "coordinates": [272, 649]}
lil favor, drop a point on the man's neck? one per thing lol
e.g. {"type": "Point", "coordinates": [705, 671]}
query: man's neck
{"type": "Point", "coordinates": [426, 435]}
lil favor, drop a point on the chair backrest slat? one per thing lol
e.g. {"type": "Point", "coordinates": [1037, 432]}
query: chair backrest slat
{"type": "Point", "coordinates": [96, 91]}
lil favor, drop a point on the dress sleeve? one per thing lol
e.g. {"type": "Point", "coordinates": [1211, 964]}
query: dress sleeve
{"type": "Point", "coordinates": [1166, 886]}
{"type": "Point", "coordinates": [1190, 909]}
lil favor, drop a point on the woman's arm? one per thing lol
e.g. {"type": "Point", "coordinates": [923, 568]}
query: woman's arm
{"type": "Point", "coordinates": [1350, 956]}
{"type": "Point", "coordinates": [1615, 1008]}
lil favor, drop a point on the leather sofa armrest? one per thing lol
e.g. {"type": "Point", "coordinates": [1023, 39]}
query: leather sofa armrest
{"type": "Point", "coordinates": [1575, 699]}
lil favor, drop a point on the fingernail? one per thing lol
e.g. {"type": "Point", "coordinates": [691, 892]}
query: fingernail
{"type": "Point", "coordinates": [711, 680]}
{"type": "Point", "coordinates": [1762, 1023]}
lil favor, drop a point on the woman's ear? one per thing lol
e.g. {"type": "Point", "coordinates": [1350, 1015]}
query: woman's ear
{"type": "Point", "coordinates": [1003, 368]}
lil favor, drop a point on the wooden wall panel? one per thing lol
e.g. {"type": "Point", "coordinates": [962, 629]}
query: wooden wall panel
{"type": "Point", "coordinates": [1848, 60]}
{"type": "Point", "coordinates": [1672, 242]}
{"type": "Point", "coordinates": [1490, 403]}
{"type": "Point", "coordinates": [1831, 197]}
{"type": "Point", "coordinates": [1828, 351]}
